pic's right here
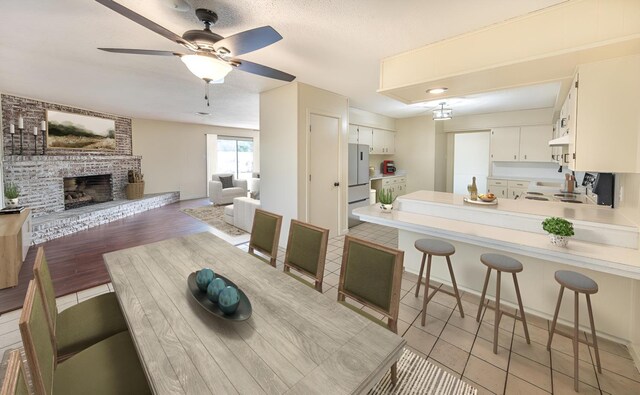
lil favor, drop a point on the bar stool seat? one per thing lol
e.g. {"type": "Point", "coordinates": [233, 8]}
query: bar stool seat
{"type": "Point", "coordinates": [502, 263]}
{"type": "Point", "coordinates": [430, 248]}
{"type": "Point", "coordinates": [578, 283]}
{"type": "Point", "coordinates": [435, 247]}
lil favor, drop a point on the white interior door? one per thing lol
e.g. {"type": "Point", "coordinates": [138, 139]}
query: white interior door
{"type": "Point", "coordinates": [470, 159]}
{"type": "Point", "coordinates": [324, 159]}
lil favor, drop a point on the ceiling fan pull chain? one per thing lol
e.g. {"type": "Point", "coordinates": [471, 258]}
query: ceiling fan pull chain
{"type": "Point", "coordinates": [206, 92]}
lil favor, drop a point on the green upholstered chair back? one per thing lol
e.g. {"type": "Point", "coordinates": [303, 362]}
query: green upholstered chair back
{"type": "Point", "coordinates": [15, 382]}
{"type": "Point", "coordinates": [43, 277]}
{"type": "Point", "coordinates": [371, 274]}
{"type": "Point", "coordinates": [307, 249]}
{"type": "Point", "coordinates": [265, 233]}
{"type": "Point", "coordinates": [37, 342]}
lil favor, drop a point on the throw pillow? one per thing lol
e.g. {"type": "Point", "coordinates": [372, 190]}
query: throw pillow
{"type": "Point", "coordinates": [227, 181]}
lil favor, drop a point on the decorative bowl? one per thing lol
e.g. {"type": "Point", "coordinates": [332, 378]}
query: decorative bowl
{"type": "Point", "coordinates": [228, 300]}
{"type": "Point", "coordinates": [243, 311]}
{"type": "Point", "coordinates": [203, 278]}
{"type": "Point", "coordinates": [214, 289]}
{"type": "Point", "coordinates": [487, 198]}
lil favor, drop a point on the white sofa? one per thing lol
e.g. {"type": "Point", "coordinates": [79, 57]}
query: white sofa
{"type": "Point", "coordinates": [240, 214]}
{"type": "Point", "coordinates": [220, 196]}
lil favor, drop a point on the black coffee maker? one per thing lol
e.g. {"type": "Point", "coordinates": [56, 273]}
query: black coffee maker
{"type": "Point", "coordinates": [604, 186]}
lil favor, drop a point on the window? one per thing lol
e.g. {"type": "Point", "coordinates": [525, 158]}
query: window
{"type": "Point", "coordinates": [235, 156]}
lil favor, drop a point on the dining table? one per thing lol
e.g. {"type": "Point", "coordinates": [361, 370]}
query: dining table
{"type": "Point", "coordinates": [296, 341]}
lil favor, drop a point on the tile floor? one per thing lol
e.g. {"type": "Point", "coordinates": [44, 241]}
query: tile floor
{"type": "Point", "coordinates": [459, 345]}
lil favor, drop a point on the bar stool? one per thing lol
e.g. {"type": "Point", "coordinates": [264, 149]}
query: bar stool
{"type": "Point", "coordinates": [501, 263]}
{"type": "Point", "coordinates": [578, 283]}
{"type": "Point", "coordinates": [429, 248]}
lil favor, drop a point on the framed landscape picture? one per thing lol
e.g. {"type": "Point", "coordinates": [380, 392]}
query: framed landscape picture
{"type": "Point", "coordinates": [75, 131]}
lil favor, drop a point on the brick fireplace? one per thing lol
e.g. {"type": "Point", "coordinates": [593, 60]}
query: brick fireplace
{"type": "Point", "coordinates": [86, 190]}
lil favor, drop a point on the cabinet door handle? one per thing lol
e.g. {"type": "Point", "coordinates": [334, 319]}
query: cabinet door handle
{"type": "Point", "coordinates": [514, 156]}
{"type": "Point", "coordinates": [525, 156]}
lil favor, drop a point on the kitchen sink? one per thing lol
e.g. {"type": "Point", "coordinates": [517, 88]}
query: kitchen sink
{"type": "Point", "coordinates": [548, 184]}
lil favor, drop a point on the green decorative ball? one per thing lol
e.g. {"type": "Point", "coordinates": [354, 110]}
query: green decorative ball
{"type": "Point", "coordinates": [203, 278]}
{"type": "Point", "coordinates": [228, 300]}
{"type": "Point", "coordinates": [214, 289]}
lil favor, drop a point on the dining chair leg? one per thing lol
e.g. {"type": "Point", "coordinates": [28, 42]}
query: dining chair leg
{"type": "Point", "coordinates": [593, 334]}
{"type": "Point", "coordinates": [484, 293]}
{"type": "Point", "coordinates": [272, 261]}
{"type": "Point", "coordinates": [455, 286]}
{"type": "Point", "coordinates": [575, 341]}
{"type": "Point", "coordinates": [319, 286]}
{"type": "Point", "coordinates": [522, 315]}
{"type": "Point", "coordinates": [496, 322]}
{"type": "Point", "coordinates": [426, 291]}
{"type": "Point", "coordinates": [393, 327]}
{"type": "Point", "coordinates": [555, 318]}
{"type": "Point", "coordinates": [424, 257]}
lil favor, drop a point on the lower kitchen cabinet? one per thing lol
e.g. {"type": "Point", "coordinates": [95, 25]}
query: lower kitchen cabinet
{"type": "Point", "coordinates": [397, 185]}
{"type": "Point", "coordinates": [507, 189]}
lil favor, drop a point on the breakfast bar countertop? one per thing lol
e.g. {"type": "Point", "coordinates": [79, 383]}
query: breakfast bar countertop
{"type": "Point", "coordinates": [600, 257]}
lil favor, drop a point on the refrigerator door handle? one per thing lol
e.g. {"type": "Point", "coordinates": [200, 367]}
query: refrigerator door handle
{"type": "Point", "coordinates": [361, 155]}
{"type": "Point", "coordinates": [358, 201]}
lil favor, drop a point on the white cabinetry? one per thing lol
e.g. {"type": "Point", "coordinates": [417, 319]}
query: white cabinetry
{"type": "Point", "coordinates": [607, 104]}
{"type": "Point", "coordinates": [521, 144]}
{"type": "Point", "coordinates": [384, 142]}
{"type": "Point", "coordinates": [534, 143]}
{"type": "Point", "coordinates": [507, 189]}
{"type": "Point", "coordinates": [353, 134]}
{"type": "Point", "coordinates": [397, 185]}
{"type": "Point", "coordinates": [505, 144]}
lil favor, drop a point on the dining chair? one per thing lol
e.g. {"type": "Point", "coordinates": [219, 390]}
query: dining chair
{"type": "Point", "coordinates": [110, 366]}
{"type": "Point", "coordinates": [15, 382]}
{"type": "Point", "coordinates": [81, 325]}
{"type": "Point", "coordinates": [371, 274]}
{"type": "Point", "coordinates": [306, 251]}
{"type": "Point", "coordinates": [265, 234]}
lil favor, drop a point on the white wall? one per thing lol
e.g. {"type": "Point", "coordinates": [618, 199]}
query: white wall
{"type": "Point", "coordinates": [370, 119]}
{"type": "Point", "coordinates": [415, 151]}
{"type": "Point", "coordinates": [174, 154]}
{"type": "Point", "coordinates": [279, 153]}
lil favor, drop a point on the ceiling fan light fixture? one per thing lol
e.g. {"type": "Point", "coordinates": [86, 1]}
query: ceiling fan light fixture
{"type": "Point", "coordinates": [437, 91]}
{"type": "Point", "coordinates": [442, 114]}
{"type": "Point", "coordinates": [206, 67]}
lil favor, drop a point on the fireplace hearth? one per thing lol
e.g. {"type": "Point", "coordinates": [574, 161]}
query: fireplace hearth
{"type": "Point", "coordinates": [87, 190]}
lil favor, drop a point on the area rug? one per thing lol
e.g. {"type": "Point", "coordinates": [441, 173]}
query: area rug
{"type": "Point", "coordinates": [416, 375]}
{"type": "Point", "coordinates": [214, 216]}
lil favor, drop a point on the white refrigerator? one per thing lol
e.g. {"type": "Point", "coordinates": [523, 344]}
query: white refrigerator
{"type": "Point", "coordinates": [358, 180]}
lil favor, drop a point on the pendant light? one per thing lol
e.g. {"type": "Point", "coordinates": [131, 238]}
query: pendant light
{"type": "Point", "coordinates": [442, 114]}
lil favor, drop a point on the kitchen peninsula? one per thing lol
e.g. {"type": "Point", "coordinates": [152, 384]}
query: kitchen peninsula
{"type": "Point", "coordinates": [604, 248]}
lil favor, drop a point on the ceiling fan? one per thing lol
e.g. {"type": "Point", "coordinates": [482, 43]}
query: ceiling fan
{"type": "Point", "coordinates": [211, 56]}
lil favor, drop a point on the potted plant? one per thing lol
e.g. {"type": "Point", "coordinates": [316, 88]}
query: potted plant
{"type": "Point", "coordinates": [559, 230]}
{"type": "Point", "coordinates": [386, 199]}
{"type": "Point", "coordinates": [11, 193]}
{"type": "Point", "coordinates": [135, 188]}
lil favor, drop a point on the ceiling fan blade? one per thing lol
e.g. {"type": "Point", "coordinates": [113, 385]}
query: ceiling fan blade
{"type": "Point", "coordinates": [141, 51]}
{"type": "Point", "coordinates": [139, 19]}
{"type": "Point", "coordinates": [255, 68]}
{"type": "Point", "coordinates": [249, 40]}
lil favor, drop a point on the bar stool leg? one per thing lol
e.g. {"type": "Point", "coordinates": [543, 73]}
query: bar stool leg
{"type": "Point", "coordinates": [496, 323]}
{"type": "Point", "coordinates": [424, 256]}
{"type": "Point", "coordinates": [575, 342]}
{"type": "Point", "coordinates": [522, 316]}
{"type": "Point", "coordinates": [593, 334]}
{"type": "Point", "coordinates": [426, 291]}
{"type": "Point", "coordinates": [484, 293]}
{"type": "Point", "coordinates": [455, 286]}
{"type": "Point", "coordinates": [555, 318]}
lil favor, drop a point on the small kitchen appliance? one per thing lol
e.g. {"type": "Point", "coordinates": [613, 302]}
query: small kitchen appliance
{"type": "Point", "coordinates": [603, 186]}
{"type": "Point", "coordinates": [388, 167]}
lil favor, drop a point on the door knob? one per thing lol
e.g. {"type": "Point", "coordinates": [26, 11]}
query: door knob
{"type": "Point", "coordinates": [336, 184]}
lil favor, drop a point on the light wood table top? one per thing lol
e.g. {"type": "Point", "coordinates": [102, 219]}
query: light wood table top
{"type": "Point", "coordinates": [297, 340]}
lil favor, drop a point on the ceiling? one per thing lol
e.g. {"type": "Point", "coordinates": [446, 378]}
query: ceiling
{"type": "Point", "coordinates": [48, 51]}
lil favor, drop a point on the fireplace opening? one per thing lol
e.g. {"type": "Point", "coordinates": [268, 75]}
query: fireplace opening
{"type": "Point", "coordinates": [87, 190]}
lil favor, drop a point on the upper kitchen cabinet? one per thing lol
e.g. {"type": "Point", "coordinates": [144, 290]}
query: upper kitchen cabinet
{"type": "Point", "coordinates": [607, 117]}
{"type": "Point", "coordinates": [534, 143]}
{"type": "Point", "coordinates": [521, 144]}
{"type": "Point", "coordinates": [353, 134]}
{"type": "Point", "coordinates": [384, 142]}
{"type": "Point", "coordinates": [505, 144]}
